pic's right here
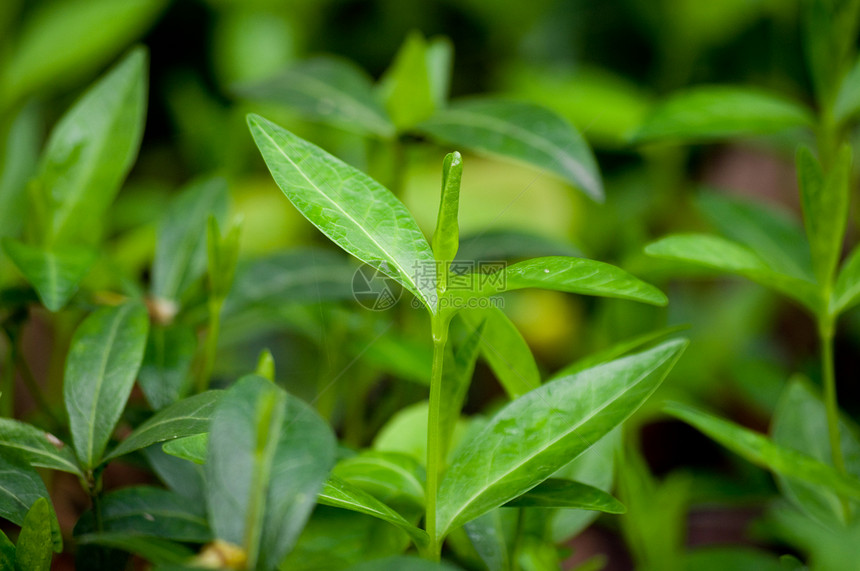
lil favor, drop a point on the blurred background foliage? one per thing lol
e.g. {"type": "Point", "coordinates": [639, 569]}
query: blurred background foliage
{"type": "Point", "coordinates": [601, 65]}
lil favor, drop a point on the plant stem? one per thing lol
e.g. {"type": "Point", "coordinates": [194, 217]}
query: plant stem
{"type": "Point", "coordinates": [440, 338]}
{"type": "Point", "coordinates": [210, 349]}
{"type": "Point", "coordinates": [830, 402]}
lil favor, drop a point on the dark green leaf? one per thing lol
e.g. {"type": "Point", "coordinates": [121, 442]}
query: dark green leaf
{"type": "Point", "coordinates": [20, 487]}
{"type": "Point", "coordinates": [511, 245]}
{"type": "Point", "coordinates": [147, 511]}
{"type": "Point", "coordinates": [35, 543]}
{"type": "Point", "coordinates": [487, 535]}
{"type": "Point", "coordinates": [457, 371]}
{"type": "Point", "coordinates": [55, 273]}
{"type": "Point", "coordinates": [165, 374]}
{"type": "Point", "coordinates": [800, 423]}
{"type": "Point", "coordinates": [519, 131]}
{"type": "Point", "coordinates": [353, 210]}
{"type": "Point", "coordinates": [720, 254]}
{"type": "Point", "coordinates": [180, 252]}
{"type": "Point", "coordinates": [340, 494]}
{"type": "Point", "coordinates": [105, 354]}
{"type": "Point", "coordinates": [269, 454]}
{"type": "Point", "coordinates": [535, 435]}
{"type": "Point", "coordinates": [719, 112]}
{"type": "Point", "coordinates": [402, 563]}
{"type": "Point", "coordinates": [89, 153]}
{"type": "Point", "coordinates": [179, 475]}
{"type": "Point", "coordinates": [192, 448]}
{"type": "Point", "coordinates": [574, 275]}
{"type": "Point", "coordinates": [7, 552]}
{"type": "Point", "coordinates": [187, 417]}
{"type": "Point", "coordinates": [327, 89]}
{"type": "Point", "coordinates": [762, 451]}
{"type": "Point", "coordinates": [774, 235]}
{"type": "Point", "coordinates": [405, 87]}
{"type": "Point", "coordinates": [735, 558]}
{"type": "Point", "coordinates": [558, 493]}
{"type": "Point", "coordinates": [37, 447]}
{"type": "Point", "coordinates": [446, 238]}
{"type": "Point", "coordinates": [153, 549]}
{"type": "Point", "coordinates": [394, 479]}
{"type": "Point", "coordinates": [504, 349]}
{"type": "Point", "coordinates": [63, 41]}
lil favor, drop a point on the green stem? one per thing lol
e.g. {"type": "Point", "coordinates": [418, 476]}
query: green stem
{"type": "Point", "coordinates": [440, 339]}
{"type": "Point", "coordinates": [830, 402]}
{"type": "Point", "coordinates": [210, 350]}
{"type": "Point", "coordinates": [94, 488]}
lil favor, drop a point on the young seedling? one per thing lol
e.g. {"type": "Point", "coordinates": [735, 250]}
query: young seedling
{"type": "Point", "coordinates": [536, 434]}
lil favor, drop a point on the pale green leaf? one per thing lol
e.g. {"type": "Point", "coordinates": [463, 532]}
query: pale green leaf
{"type": "Point", "coordinates": [762, 451]}
{"type": "Point", "coordinates": [846, 290]}
{"type": "Point", "coordinates": [392, 478]}
{"type": "Point", "coordinates": [192, 448]}
{"type": "Point", "coordinates": [331, 90]}
{"type": "Point", "coordinates": [105, 354]}
{"type": "Point", "coordinates": [19, 155]}
{"type": "Point", "coordinates": [532, 437]}
{"type": "Point", "coordinates": [848, 100]}
{"type": "Point", "coordinates": [187, 417]}
{"type": "Point", "coordinates": [353, 210]}
{"type": "Point", "coordinates": [520, 131]}
{"type": "Point", "coordinates": [180, 251]}
{"type": "Point", "coordinates": [55, 273]}
{"type": "Point", "coordinates": [406, 85]}
{"type": "Point", "coordinates": [720, 112]}
{"type": "Point", "coordinates": [446, 237]}
{"type": "Point", "coordinates": [34, 549]}
{"type": "Point", "coordinates": [89, 153]}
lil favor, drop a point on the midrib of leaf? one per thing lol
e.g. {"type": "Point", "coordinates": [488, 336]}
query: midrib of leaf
{"type": "Point", "coordinates": [12, 494]}
{"type": "Point", "coordinates": [324, 89]}
{"type": "Point", "coordinates": [64, 461]}
{"type": "Point", "coordinates": [119, 450]}
{"type": "Point", "coordinates": [100, 381]}
{"type": "Point", "coordinates": [557, 153]}
{"type": "Point", "coordinates": [543, 449]}
{"type": "Point", "coordinates": [403, 273]}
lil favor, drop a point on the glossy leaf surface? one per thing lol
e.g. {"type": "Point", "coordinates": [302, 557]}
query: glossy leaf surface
{"type": "Point", "coordinates": [535, 435]}
{"type": "Point", "coordinates": [520, 131]}
{"type": "Point", "coordinates": [558, 493]}
{"type": "Point", "coordinates": [105, 354]}
{"type": "Point", "coordinates": [353, 210]}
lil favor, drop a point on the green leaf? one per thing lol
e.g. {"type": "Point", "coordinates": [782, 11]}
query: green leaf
{"type": "Point", "coordinates": [187, 417]}
{"type": "Point", "coordinates": [825, 207]}
{"type": "Point", "coordinates": [165, 374]}
{"type": "Point", "coordinates": [89, 153]}
{"type": "Point", "coordinates": [504, 350]}
{"type": "Point", "coordinates": [535, 435]}
{"type": "Point", "coordinates": [511, 245]}
{"type": "Point", "coordinates": [619, 350]}
{"type": "Point", "coordinates": [774, 235]}
{"type": "Point", "coordinates": [720, 112]}
{"type": "Point", "coordinates": [573, 275]}
{"type": "Point", "coordinates": [846, 290]}
{"type": "Point", "coordinates": [55, 273]}
{"type": "Point", "coordinates": [35, 543]}
{"type": "Point", "coordinates": [558, 493]}
{"type": "Point", "coordinates": [153, 549]}
{"type": "Point", "coordinates": [148, 511]}
{"type": "Point", "coordinates": [20, 487]}
{"type": "Point", "coordinates": [179, 475]}
{"type": "Point", "coordinates": [105, 354]}
{"type": "Point", "coordinates": [180, 252]}
{"type": "Point", "coordinates": [735, 558]}
{"type": "Point", "coordinates": [848, 100]}
{"type": "Point", "coordinates": [37, 447]}
{"type": "Point", "coordinates": [762, 451]}
{"type": "Point", "coordinates": [457, 371]}
{"type": "Point", "coordinates": [266, 365]}
{"type": "Point", "coordinates": [800, 423]}
{"type": "Point", "coordinates": [406, 85]}
{"type": "Point", "coordinates": [223, 254]}
{"type": "Point", "coordinates": [63, 41]}
{"type": "Point", "coordinates": [392, 478]}
{"type": "Point", "coordinates": [401, 563]}
{"type": "Point", "coordinates": [269, 454]}
{"type": "Point", "coordinates": [487, 535]}
{"type": "Point", "coordinates": [446, 238]}
{"type": "Point", "coordinates": [7, 552]}
{"type": "Point", "coordinates": [192, 448]}
{"type": "Point", "coordinates": [440, 63]}
{"type": "Point", "coordinates": [297, 276]}
{"type": "Point", "coordinates": [340, 494]}
{"type": "Point", "coordinates": [720, 254]}
{"type": "Point", "coordinates": [519, 131]}
{"type": "Point", "coordinates": [331, 90]}
{"type": "Point", "coordinates": [353, 210]}
{"type": "Point", "coordinates": [19, 155]}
